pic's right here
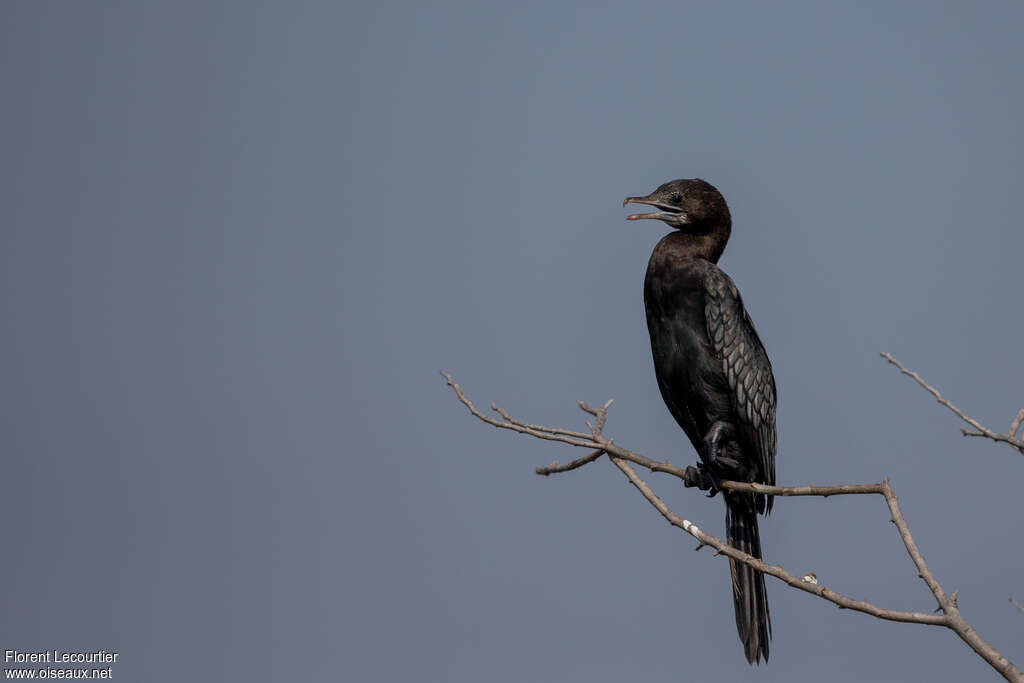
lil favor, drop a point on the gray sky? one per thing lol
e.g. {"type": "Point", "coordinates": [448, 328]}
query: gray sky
{"type": "Point", "coordinates": [240, 240]}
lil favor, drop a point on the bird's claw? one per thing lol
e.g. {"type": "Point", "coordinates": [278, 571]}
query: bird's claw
{"type": "Point", "coordinates": [721, 454]}
{"type": "Point", "coordinates": [700, 477]}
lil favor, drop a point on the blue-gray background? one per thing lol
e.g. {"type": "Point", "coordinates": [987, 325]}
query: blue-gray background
{"type": "Point", "coordinates": [240, 240]}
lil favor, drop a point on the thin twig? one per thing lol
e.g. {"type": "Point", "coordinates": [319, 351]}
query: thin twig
{"type": "Point", "coordinates": [979, 430]}
{"type": "Point", "coordinates": [555, 468]}
{"type": "Point", "coordinates": [915, 554]}
{"type": "Point", "coordinates": [1017, 422]}
{"type": "Point", "coordinates": [538, 428]}
{"type": "Point", "coordinates": [508, 425]}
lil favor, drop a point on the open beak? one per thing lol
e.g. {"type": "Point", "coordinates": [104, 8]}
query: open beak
{"type": "Point", "coordinates": [668, 212]}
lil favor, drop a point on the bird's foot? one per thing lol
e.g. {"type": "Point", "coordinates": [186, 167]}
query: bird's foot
{"type": "Point", "coordinates": [721, 453]}
{"type": "Point", "coordinates": [699, 477]}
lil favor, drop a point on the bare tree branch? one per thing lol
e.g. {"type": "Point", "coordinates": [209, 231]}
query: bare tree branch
{"type": "Point", "coordinates": [1010, 437]}
{"type": "Point", "coordinates": [1016, 604]}
{"type": "Point", "coordinates": [949, 617]}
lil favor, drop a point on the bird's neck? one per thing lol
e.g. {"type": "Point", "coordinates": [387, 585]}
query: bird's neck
{"type": "Point", "coordinates": [707, 245]}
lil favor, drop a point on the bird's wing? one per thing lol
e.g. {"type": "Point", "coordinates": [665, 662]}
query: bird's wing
{"type": "Point", "coordinates": [746, 365]}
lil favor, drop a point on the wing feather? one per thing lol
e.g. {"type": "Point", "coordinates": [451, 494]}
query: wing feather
{"type": "Point", "coordinates": [746, 366]}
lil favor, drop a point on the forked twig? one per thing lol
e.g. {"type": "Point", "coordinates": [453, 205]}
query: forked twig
{"type": "Point", "coordinates": [1010, 437]}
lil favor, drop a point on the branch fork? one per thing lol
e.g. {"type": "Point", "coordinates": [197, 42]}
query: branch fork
{"type": "Point", "coordinates": [1010, 437]}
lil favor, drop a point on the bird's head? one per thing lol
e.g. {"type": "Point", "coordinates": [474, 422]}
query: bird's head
{"type": "Point", "coordinates": [690, 205]}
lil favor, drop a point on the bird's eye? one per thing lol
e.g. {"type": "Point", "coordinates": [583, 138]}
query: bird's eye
{"type": "Point", "coordinates": [676, 197]}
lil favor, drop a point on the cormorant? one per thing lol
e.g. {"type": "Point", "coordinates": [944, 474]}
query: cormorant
{"type": "Point", "coordinates": [714, 375]}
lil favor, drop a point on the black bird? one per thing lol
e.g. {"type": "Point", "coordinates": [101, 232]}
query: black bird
{"type": "Point", "coordinates": [714, 375]}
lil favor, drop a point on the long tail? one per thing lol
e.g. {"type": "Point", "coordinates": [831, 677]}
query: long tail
{"type": "Point", "coordinates": [753, 621]}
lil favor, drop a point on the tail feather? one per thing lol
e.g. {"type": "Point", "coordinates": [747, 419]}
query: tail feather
{"type": "Point", "coordinates": [750, 602]}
